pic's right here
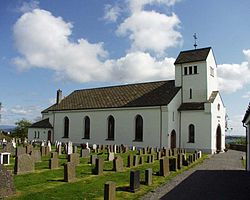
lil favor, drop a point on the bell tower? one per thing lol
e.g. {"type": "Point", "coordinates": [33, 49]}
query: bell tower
{"type": "Point", "coordinates": [196, 73]}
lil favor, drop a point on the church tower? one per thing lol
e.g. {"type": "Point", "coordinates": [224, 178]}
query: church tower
{"type": "Point", "coordinates": [196, 73]}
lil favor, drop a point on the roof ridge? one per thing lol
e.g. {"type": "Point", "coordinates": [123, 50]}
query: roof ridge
{"type": "Point", "coordinates": [115, 86]}
{"type": "Point", "coordinates": [191, 50]}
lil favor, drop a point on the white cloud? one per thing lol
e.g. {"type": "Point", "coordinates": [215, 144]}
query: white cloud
{"type": "Point", "coordinates": [24, 110]}
{"type": "Point", "coordinates": [29, 6]}
{"type": "Point", "coordinates": [235, 125]}
{"type": "Point", "coordinates": [233, 77]}
{"type": "Point", "coordinates": [43, 40]}
{"type": "Point", "coordinates": [151, 31]}
{"type": "Point", "coordinates": [246, 95]}
{"type": "Point", "coordinates": [111, 13]}
{"type": "Point", "coordinates": [140, 66]}
{"type": "Point", "coordinates": [136, 5]}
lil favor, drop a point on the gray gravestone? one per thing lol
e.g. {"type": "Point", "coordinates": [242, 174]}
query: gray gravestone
{"type": "Point", "coordinates": [92, 159]}
{"type": "Point", "coordinates": [173, 164]}
{"type": "Point", "coordinates": [158, 155]}
{"type": "Point", "coordinates": [69, 172]}
{"type": "Point", "coordinates": [23, 164]}
{"type": "Point", "coordinates": [7, 187]}
{"type": "Point", "coordinates": [99, 166]}
{"type": "Point", "coordinates": [135, 160]}
{"type": "Point", "coordinates": [36, 155]}
{"type": "Point", "coordinates": [148, 176]}
{"type": "Point", "coordinates": [43, 151]}
{"type": "Point", "coordinates": [84, 153]}
{"type": "Point", "coordinates": [74, 158]}
{"type": "Point", "coordinates": [149, 159]}
{"type": "Point", "coordinates": [20, 151]}
{"type": "Point", "coordinates": [75, 150]}
{"type": "Point", "coordinates": [130, 161]}
{"type": "Point", "coordinates": [179, 161]}
{"type": "Point", "coordinates": [29, 149]}
{"type": "Point", "coordinates": [164, 166]}
{"type": "Point", "coordinates": [53, 163]}
{"type": "Point", "coordinates": [109, 190]}
{"type": "Point", "coordinates": [152, 157]}
{"type": "Point", "coordinates": [118, 164]}
{"type": "Point", "coordinates": [134, 180]}
{"type": "Point", "coordinates": [141, 160]}
{"type": "Point", "coordinates": [111, 156]}
{"type": "Point", "coordinates": [54, 155]}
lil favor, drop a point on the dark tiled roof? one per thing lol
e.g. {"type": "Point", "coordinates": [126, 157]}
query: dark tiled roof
{"type": "Point", "coordinates": [131, 95]}
{"type": "Point", "coordinates": [246, 114]}
{"type": "Point", "coordinates": [213, 96]}
{"type": "Point", "coordinates": [192, 55]}
{"type": "Point", "coordinates": [42, 124]}
{"type": "Point", "coordinates": [192, 106]}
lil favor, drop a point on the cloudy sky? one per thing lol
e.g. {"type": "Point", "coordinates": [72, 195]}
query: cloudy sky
{"type": "Point", "coordinates": [47, 45]}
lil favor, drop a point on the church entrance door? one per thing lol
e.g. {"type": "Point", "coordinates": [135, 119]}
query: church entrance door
{"type": "Point", "coordinates": [173, 139]}
{"type": "Point", "coordinates": [49, 135]}
{"type": "Point", "coordinates": [218, 138]}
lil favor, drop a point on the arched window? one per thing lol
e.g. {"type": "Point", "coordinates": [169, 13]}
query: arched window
{"type": "Point", "coordinates": [86, 127]}
{"type": "Point", "coordinates": [138, 128]}
{"type": "Point", "coordinates": [191, 133]}
{"type": "Point", "coordinates": [35, 134]}
{"type": "Point", "coordinates": [66, 127]}
{"type": "Point", "coordinates": [111, 128]}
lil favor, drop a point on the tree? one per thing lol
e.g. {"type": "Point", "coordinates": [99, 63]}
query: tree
{"type": "Point", "coordinates": [21, 129]}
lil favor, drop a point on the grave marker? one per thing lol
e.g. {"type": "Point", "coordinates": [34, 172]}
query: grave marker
{"type": "Point", "coordinates": [134, 180]}
{"type": "Point", "coordinates": [109, 190]}
{"type": "Point", "coordinates": [69, 172]}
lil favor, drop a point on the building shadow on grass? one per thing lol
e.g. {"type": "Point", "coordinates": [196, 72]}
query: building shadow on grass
{"type": "Point", "coordinates": [213, 185]}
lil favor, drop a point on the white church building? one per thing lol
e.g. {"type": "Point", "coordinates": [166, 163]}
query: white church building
{"type": "Point", "coordinates": [187, 112]}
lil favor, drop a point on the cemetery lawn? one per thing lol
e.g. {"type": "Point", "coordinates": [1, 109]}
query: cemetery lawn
{"type": "Point", "coordinates": [48, 184]}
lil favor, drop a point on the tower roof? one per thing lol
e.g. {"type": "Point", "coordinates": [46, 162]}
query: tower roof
{"type": "Point", "coordinates": [192, 55]}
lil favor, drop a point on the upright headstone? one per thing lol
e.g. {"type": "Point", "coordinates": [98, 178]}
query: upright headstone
{"type": "Point", "coordinates": [49, 146]}
{"type": "Point", "coordinates": [5, 158]}
{"type": "Point", "coordinates": [118, 164]}
{"type": "Point", "coordinates": [94, 147]}
{"type": "Point", "coordinates": [74, 158]}
{"type": "Point", "coordinates": [173, 164]}
{"type": "Point", "coordinates": [23, 164]}
{"type": "Point", "coordinates": [92, 159]}
{"type": "Point", "coordinates": [59, 148]}
{"type": "Point", "coordinates": [99, 166]}
{"type": "Point", "coordinates": [111, 156]}
{"type": "Point", "coordinates": [43, 150]}
{"type": "Point", "coordinates": [164, 166]}
{"type": "Point", "coordinates": [141, 160]}
{"type": "Point", "coordinates": [53, 163]}
{"type": "Point", "coordinates": [20, 151]}
{"type": "Point", "coordinates": [75, 149]}
{"type": "Point", "coordinates": [158, 155]}
{"type": "Point", "coordinates": [135, 160]}
{"type": "Point", "coordinates": [148, 176]}
{"type": "Point", "coordinates": [130, 161]}
{"type": "Point", "coordinates": [179, 161]}
{"type": "Point", "coordinates": [54, 155]}
{"type": "Point", "coordinates": [69, 148]}
{"type": "Point", "coordinates": [109, 190]}
{"type": "Point", "coordinates": [69, 172]}
{"type": "Point", "coordinates": [134, 180]}
{"type": "Point", "coordinates": [36, 155]}
{"type": "Point", "coordinates": [7, 187]}
{"type": "Point", "coordinates": [84, 153]}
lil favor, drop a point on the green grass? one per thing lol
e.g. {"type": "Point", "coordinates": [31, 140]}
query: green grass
{"type": "Point", "coordinates": [48, 184]}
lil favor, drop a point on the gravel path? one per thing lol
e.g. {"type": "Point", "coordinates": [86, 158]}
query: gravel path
{"type": "Point", "coordinates": [220, 177]}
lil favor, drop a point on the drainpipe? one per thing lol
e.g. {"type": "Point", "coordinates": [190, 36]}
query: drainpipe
{"type": "Point", "coordinates": [246, 145]}
{"type": "Point", "coordinates": [160, 127]}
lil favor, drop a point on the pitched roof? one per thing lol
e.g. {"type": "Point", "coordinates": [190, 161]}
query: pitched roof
{"type": "Point", "coordinates": [131, 95]}
{"type": "Point", "coordinates": [192, 55]}
{"type": "Point", "coordinates": [213, 96]}
{"type": "Point", "coordinates": [42, 124]}
{"type": "Point", "coordinates": [246, 114]}
{"type": "Point", "coordinates": [192, 106]}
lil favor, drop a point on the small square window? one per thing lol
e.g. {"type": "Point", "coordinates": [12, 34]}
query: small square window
{"type": "Point", "coordinates": [190, 70]}
{"type": "Point", "coordinates": [195, 69]}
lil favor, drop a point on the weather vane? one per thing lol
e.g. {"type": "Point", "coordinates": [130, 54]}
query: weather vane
{"type": "Point", "coordinates": [195, 38]}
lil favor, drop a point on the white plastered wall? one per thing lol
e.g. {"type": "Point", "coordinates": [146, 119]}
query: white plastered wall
{"type": "Point", "coordinates": [124, 126]}
{"type": "Point", "coordinates": [42, 132]}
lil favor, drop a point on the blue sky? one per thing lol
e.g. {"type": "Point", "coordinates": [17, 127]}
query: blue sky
{"type": "Point", "coordinates": [47, 45]}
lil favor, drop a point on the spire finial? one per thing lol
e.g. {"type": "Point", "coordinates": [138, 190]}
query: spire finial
{"type": "Point", "coordinates": [195, 39]}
